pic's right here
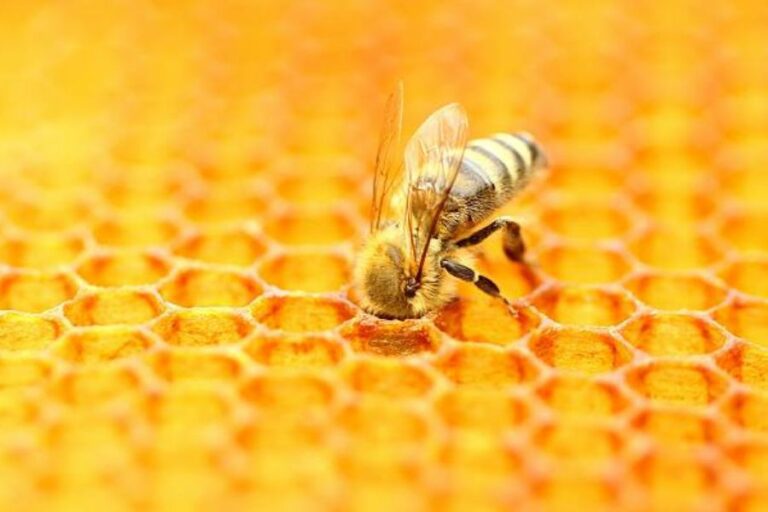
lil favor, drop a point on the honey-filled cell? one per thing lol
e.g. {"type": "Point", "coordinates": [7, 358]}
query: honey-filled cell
{"type": "Point", "coordinates": [748, 275]}
{"type": "Point", "coordinates": [486, 367]}
{"type": "Point", "coordinates": [19, 372]}
{"type": "Point", "coordinates": [25, 331]}
{"type": "Point", "coordinates": [179, 366]}
{"type": "Point", "coordinates": [210, 287]}
{"type": "Point", "coordinates": [123, 267]}
{"type": "Point", "coordinates": [221, 244]}
{"type": "Point", "coordinates": [587, 352]}
{"type": "Point", "coordinates": [676, 250]}
{"type": "Point", "coordinates": [576, 305]}
{"type": "Point", "coordinates": [686, 385]}
{"type": "Point", "coordinates": [746, 232]}
{"type": "Point", "coordinates": [676, 428]}
{"type": "Point", "coordinates": [300, 313]}
{"type": "Point", "coordinates": [41, 251]}
{"type": "Point", "coordinates": [139, 230]}
{"type": "Point", "coordinates": [103, 344]}
{"type": "Point", "coordinates": [748, 363]}
{"type": "Point", "coordinates": [676, 291]}
{"type": "Point", "coordinates": [310, 227]}
{"type": "Point", "coordinates": [230, 203]}
{"type": "Point", "coordinates": [295, 350]}
{"type": "Point", "coordinates": [308, 271]}
{"type": "Point", "coordinates": [581, 397]}
{"type": "Point", "coordinates": [579, 445]}
{"type": "Point", "coordinates": [577, 490]}
{"type": "Point", "coordinates": [485, 319]}
{"type": "Point", "coordinates": [675, 480]}
{"type": "Point", "coordinates": [673, 334]}
{"type": "Point", "coordinates": [391, 338]}
{"type": "Point", "coordinates": [469, 409]}
{"type": "Point", "coordinates": [307, 180]}
{"type": "Point", "coordinates": [35, 292]}
{"type": "Point", "coordinates": [202, 327]}
{"type": "Point", "coordinates": [293, 394]}
{"type": "Point", "coordinates": [391, 378]}
{"type": "Point", "coordinates": [584, 264]}
{"type": "Point", "coordinates": [585, 221]}
{"type": "Point", "coordinates": [746, 319]}
{"type": "Point", "coordinates": [113, 306]}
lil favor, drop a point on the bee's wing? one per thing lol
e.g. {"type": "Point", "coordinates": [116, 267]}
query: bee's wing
{"type": "Point", "coordinates": [389, 168]}
{"type": "Point", "coordinates": [432, 161]}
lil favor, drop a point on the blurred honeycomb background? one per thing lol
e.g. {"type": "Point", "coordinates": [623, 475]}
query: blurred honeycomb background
{"type": "Point", "coordinates": [184, 185]}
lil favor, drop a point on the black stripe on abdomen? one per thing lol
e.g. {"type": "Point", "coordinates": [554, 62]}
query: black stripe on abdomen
{"type": "Point", "coordinates": [519, 161]}
{"type": "Point", "coordinates": [500, 169]}
{"type": "Point", "coordinates": [471, 179]}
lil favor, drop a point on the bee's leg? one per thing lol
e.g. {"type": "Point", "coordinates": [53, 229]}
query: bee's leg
{"type": "Point", "coordinates": [512, 240]}
{"type": "Point", "coordinates": [465, 273]}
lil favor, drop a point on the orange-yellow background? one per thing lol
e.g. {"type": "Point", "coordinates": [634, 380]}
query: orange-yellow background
{"type": "Point", "coordinates": [183, 188]}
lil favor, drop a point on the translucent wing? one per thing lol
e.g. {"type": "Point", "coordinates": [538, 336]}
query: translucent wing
{"type": "Point", "coordinates": [389, 168]}
{"type": "Point", "coordinates": [432, 160]}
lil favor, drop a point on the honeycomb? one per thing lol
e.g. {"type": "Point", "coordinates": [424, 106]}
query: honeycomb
{"type": "Point", "coordinates": [185, 185]}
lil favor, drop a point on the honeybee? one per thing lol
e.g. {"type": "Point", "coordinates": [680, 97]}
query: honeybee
{"type": "Point", "coordinates": [426, 203]}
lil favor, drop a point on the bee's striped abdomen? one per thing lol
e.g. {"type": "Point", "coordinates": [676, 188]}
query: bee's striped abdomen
{"type": "Point", "coordinates": [509, 159]}
{"type": "Point", "coordinates": [492, 171]}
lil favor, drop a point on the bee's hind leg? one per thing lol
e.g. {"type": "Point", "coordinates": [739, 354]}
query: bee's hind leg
{"type": "Point", "coordinates": [512, 240]}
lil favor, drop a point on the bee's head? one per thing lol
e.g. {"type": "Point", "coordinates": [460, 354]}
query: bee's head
{"type": "Point", "coordinates": [386, 278]}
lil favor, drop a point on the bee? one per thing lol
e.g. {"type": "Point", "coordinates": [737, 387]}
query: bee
{"type": "Point", "coordinates": [426, 204]}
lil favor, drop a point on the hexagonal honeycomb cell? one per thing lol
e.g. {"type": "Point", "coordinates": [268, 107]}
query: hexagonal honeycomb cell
{"type": "Point", "coordinates": [103, 344]}
{"type": "Point", "coordinates": [748, 410]}
{"type": "Point", "coordinates": [486, 319]}
{"type": "Point", "coordinates": [389, 378]}
{"type": "Point", "coordinates": [185, 189]}
{"type": "Point", "coordinates": [468, 409]}
{"type": "Point", "coordinates": [391, 338]}
{"type": "Point", "coordinates": [310, 227]}
{"type": "Point", "coordinates": [25, 331]}
{"type": "Point", "coordinates": [210, 287]}
{"type": "Point", "coordinates": [486, 367]}
{"type": "Point", "coordinates": [677, 429]}
{"type": "Point", "coordinates": [301, 313]}
{"type": "Point", "coordinates": [123, 267]}
{"type": "Point", "coordinates": [580, 397]}
{"type": "Point", "coordinates": [666, 334]}
{"type": "Point", "coordinates": [573, 350]}
{"type": "Point", "coordinates": [178, 366]}
{"type": "Point", "coordinates": [35, 292]}
{"type": "Point", "coordinates": [748, 275]}
{"type": "Point", "coordinates": [113, 306]}
{"type": "Point", "coordinates": [584, 264]}
{"type": "Point", "coordinates": [223, 245]}
{"type": "Point", "coordinates": [675, 481]}
{"type": "Point", "coordinates": [747, 319]}
{"type": "Point", "coordinates": [668, 249]}
{"type": "Point", "coordinates": [581, 305]}
{"type": "Point", "coordinates": [676, 291]}
{"type": "Point", "coordinates": [329, 270]}
{"type": "Point", "coordinates": [747, 363]}
{"type": "Point", "coordinates": [296, 350]}
{"type": "Point", "coordinates": [745, 231]}
{"type": "Point", "coordinates": [586, 221]}
{"type": "Point", "coordinates": [677, 383]}
{"type": "Point", "coordinates": [137, 230]}
{"type": "Point", "coordinates": [202, 327]}
{"type": "Point", "coordinates": [41, 250]}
